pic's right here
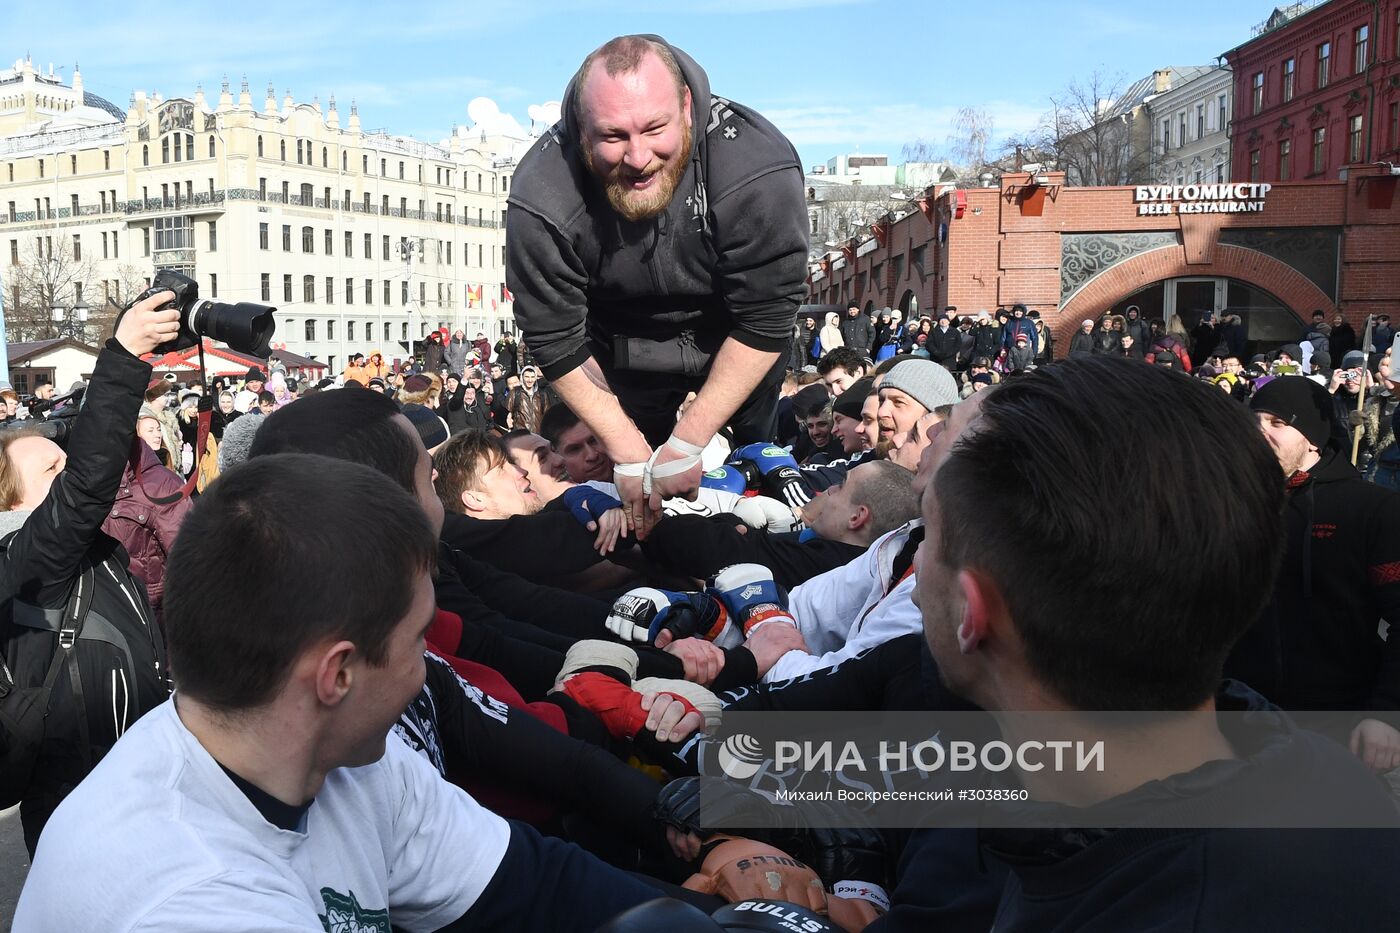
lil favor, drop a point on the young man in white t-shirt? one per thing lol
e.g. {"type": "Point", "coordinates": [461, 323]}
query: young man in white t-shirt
{"type": "Point", "coordinates": [267, 794]}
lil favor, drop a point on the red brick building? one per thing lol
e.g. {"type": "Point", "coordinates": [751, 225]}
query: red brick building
{"type": "Point", "coordinates": [1273, 253]}
{"type": "Point", "coordinates": [1317, 91]}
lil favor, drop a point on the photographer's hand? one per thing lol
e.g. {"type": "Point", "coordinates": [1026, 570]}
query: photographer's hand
{"type": "Point", "coordinates": [146, 325]}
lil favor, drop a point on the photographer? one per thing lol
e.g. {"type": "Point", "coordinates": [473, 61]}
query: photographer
{"type": "Point", "coordinates": [57, 565]}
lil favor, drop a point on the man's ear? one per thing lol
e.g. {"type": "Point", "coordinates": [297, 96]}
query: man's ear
{"type": "Point", "coordinates": [333, 673]}
{"type": "Point", "coordinates": [473, 501]}
{"type": "Point", "coordinates": [983, 608]}
{"type": "Point", "coordinates": [688, 107]}
{"type": "Point", "coordinates": [859, 518]}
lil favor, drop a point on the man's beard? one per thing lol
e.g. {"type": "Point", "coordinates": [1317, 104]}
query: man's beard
{"type": "Point", "coordinates": [643, 205]}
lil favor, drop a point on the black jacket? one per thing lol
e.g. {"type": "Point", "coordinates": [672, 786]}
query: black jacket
{"type": "Point", "coordinates": [858, 332]}
{"type": "Point", "coordinates": [1206, 880]}
{"type": "Point", "coordinates": [1082, 344]}
{"type": "Point", "coordinates": [541, 548]}
{"type": "Point", "coordinates": [43, 562]}
{"type": "Point", "coordinates": [727, 258]}
{"type": "Point", "coordinates": [1317, 647]}
{"type": "Point", "coordinates": [943, 346]}
{"type": "Point", "coordinates": [701, 546]}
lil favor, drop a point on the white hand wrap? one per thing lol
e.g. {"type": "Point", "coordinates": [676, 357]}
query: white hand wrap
{"type": "Point", "coordinates": [700, 697]}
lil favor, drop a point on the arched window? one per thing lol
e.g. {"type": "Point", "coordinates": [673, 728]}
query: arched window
{"type": "Point", "coordinates": [260, 151]}
{"type": "Point", "coordinates": [211, 147]}
{"type": "Point", "coordinates": [165, 150]}
{"type": "Point", "coordinates": [325, 157]}
{"type": "Point", "coordinates": [145, 155]}
{"type": "Point", "coordinates": [284, 150]}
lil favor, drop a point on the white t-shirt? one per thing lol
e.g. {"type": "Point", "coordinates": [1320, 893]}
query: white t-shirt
{"type": "Point", "coordinates": [159, 838]}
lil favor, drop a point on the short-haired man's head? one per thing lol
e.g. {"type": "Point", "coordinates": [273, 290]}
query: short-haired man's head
{"type": "Point", "coordinates": [886, 490]}
{"type": "Point", "coordinates": [841, 366]}
{"type": "Point", "coordinates": [638, 160]}
{"type": "Point", "coordinates": [462, 462]}
{"type": "Point", "coordinates": [556, 420]}
{"type": "Point", "coordinates": [355, 426]}
{"type": "Point", "coordinates": [281, 522]}
{"type": "Point", "coordinates": [1021, 500]}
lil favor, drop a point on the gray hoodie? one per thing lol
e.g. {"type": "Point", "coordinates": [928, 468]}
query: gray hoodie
{"type": "Point", "coordinates": [728, 257]}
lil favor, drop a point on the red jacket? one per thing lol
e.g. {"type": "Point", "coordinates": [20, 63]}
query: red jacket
{"type": "Point", "coordinates": [145, 518]}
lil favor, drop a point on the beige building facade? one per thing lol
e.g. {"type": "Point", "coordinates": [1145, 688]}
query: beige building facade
{"type": "Point", "coordinates": [363, 240]}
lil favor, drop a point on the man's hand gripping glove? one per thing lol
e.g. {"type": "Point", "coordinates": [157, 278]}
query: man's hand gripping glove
{"type": "Point", "coordinates": [587, 504]}
{"type": "Point", "coordinates": [772, 470]}
{"type": "Point", "coordinates": [640, 615]}
{"type": "Point", "coordinates": [750, 596]}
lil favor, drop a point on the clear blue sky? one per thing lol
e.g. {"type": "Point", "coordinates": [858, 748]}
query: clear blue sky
{"type": "Point", "coordinates": [835, 75]}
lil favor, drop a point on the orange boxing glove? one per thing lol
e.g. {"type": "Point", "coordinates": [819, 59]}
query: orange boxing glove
{"type": "Point", "coordinates": [741, 869]}
{"type": "Point", "coordinates": [617, 705]}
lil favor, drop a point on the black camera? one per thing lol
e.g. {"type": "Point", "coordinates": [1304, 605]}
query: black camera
{"type": "Point", "coordinates": [245, 327]}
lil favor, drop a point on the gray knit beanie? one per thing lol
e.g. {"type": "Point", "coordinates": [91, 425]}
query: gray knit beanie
{"type": "Point", "coordinates": [925, 381]}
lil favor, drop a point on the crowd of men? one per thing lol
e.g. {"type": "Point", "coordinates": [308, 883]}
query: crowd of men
{"type": "Point", "coordinates": [424, 663]}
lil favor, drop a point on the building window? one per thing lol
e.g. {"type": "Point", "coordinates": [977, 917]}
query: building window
{"type": "Point", "coordinates": [1290, 71]}
{"type": "Point", "coordinates": [350, 330]}
{"type": "Point", "coordinates": [260, 149]}
{"type": "Point", "coordinates": [403, 331]}
{"type": "Point", "coordinates": [189, 148]}
{"type": "Point", "coordinates": [145, 159]}
{"type": "Point", "coordinates": [310, 329]}
{"type": "Point", "coordinates": [325, 157]}
{"type": "Point", "coordinates": [1360, 42]}
{"type": "Point", "coordinates": [266, 286]}
{"type": "Point", "coordinates": [146, 241]}
{"type": "Point", "coordinates": [387, 300]}
{"type": "Point", "coordinates": [330, 290]}
{"type": "Point", "coordinates": [262, 236]}
{"type": "Point", "coordinates": [213, 237]}
{"type": "Point", "coordinates": [403, 294]}
{"type": "Point", "coordinates": [386, 247]}
{"type": "Point", "coordinates": [77, 248]}
{"type": "Point", "coordinates": [1319, 150]}
{"type": "Point", "coordinates": [401, 171]}
{"type": "Point", "coordinates": [286, 238]}
{"type": "Point", "coordinates": [330, 243]}
{"type": "Point", "coordinates": [106, 161]}
{"type": "Point", "coordinates": [287, 288]}
{"type": "Point", "coordinates": [1354, 139]}
{"type": "Point", "coordinates": [211, 147]}
{"type": "Point", "coordinates": [213, 285]}
{"type": "Point", "coordinates": [1395, 125]}
{"type": "Point", "coordinates": [282, 144]}
{"type": "Point", "coordinates": [1223, 103]}
{"type": "Point", "coordinates": [1324, 64]}
{"type": "Point", "coordinates": [308, 240]}
{"type": "Point", "coordinates": [165, 151]}
{"type": "Point", "coordinates": [369, 246]}
{"type": "Point", "coordinates": [1254, 171]}
{"type": "Point", "coordinates": [349, 245]}
{"type": "Point", "coordinates": [308, 288]}
{"type": "Point", "coordinates": [1256, 94]}
{"type": "Point", "coordinates": [308, 197]}
{"type": "Point", "coordinates": [350, 297]}
{"type": "Point", "coordinates": [369, 291]}
{"type": "Point", "coordinates": [1200, 121]}
{"type": "Point", "coordinates": [1285, 160]}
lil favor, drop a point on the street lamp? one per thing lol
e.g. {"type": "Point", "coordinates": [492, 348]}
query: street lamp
{"type": "Point", "coordinates": [72, 322]}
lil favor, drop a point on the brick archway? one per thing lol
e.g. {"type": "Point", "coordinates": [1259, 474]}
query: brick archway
{"type": "Point", "coordinates": [1279, 279]}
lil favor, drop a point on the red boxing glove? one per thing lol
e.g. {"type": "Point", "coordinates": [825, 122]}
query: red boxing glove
{"type": "Point", "coordinates": [617, 705]}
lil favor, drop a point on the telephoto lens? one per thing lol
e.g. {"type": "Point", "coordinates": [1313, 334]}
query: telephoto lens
{"type": "Point", "coordinates": [246, 327]}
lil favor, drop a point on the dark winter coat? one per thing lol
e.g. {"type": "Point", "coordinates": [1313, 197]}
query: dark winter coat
{"type": "Point", "coordinates": [986, 340]}
{"type": "Point", "coordinates": [145, 518]}
{"type": "Point", "coordinates": [508, 355]}
{"type": "Point", "coordinates": [1022, 325]}
{"type": "Point", "coordinates": [1081, 344]}
{"type": "Point", "coordinates": [858, 332]}
{"type": "Point", "coordinates": [526, 409]}
{"type": "Point", "coordinates": [1317, 646]}
{"type": "Point", "coordinates": [943, 346]}
{"type": "Point", "coordinates": [802, 341]}
{"type": "Point", "coordinates": [54, 545]}
{"type": "Point", "coordinates": [432, 356]}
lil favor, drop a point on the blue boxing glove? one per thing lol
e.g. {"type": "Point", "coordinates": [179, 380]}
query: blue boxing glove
{"type": "Point", "coordinates": [727, 478]}
{"type": "Point", "coordinates": [588, 504]}
{"type": "Point", "coordinates": [778, 473]}
{"type": "Point", "coordinates": [750, 596]}
{"type": "Point", "coordinates": [642, 614]}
